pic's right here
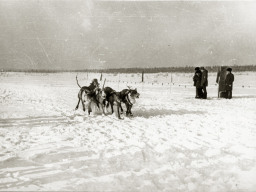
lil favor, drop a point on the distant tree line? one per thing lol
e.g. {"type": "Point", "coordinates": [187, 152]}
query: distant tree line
{"type": "Point", "coordinates": [187, 69]}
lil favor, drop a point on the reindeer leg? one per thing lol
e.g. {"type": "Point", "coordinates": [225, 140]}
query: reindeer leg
{"type": "Point", "coordinates": [89, 108]}
{"type": "Point", "coordinates": [80, 95]}
{"type": "Point", "coordinates": [122, 111]}
{"type": "Point", "coordinates": [79, 98]}
{"type": "Point", "coordinates": [83, 105]}
{"type": "Point", "coordinates": [118, 113]}
{"type": "Point", "coordinates": [112, 108]}
{"type": "Point", "coordinates": [130, 110]}
{"type": "Point", "coordinates": [127, 108]}
{"type": "Point", "coordinates": [78, 103]}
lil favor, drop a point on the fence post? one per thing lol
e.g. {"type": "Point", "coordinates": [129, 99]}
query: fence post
{"type": "Point", "coordinates": [171, 84]}
{"type": "Point", "coordinates": [142, 77]}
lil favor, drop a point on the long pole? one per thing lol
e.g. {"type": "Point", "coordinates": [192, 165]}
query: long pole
{"type": "Point", "coordinates": [101, 76]}
{"type": "Point", "coordinates": [104, 83]}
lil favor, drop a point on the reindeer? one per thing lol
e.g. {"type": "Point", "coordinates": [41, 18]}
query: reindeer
{"type": "Point", "coordinates": [93, 94]}
{"type": "Point", "coordinates": [112, 97]}
{"type": "Point", "coordinates": [128, 97]}
{"type": "Point", "coordinates": [97, 98]}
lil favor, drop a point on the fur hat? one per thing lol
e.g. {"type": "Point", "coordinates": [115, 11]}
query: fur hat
{"type": "Point", "coordinates": [202, 68]}
{"type": "Point", "coordinates": [197, 68]}
{"type": "Point", "coordinates": [95, 81]}
{"type": "Point", "coordinates": [229, 69]}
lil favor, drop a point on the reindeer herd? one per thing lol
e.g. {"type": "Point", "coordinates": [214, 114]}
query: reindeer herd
{"type": "Point", "coordinates": [105, 97]}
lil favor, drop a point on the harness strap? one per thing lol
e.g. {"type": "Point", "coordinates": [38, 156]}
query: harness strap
{"type": "Point", "coordinates": [128, 100]}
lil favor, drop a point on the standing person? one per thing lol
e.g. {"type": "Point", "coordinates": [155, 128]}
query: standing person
{"type": "Point", "coordinates": [197, 82]}
{"type": "Point", "coordinates": [94, 84]}
{"type": "Point", "coordinates": [220, 80]}
{"type": "Point", "coordinates": [229, 83]}
{"type": "Point", "coordinates": [204, 81]}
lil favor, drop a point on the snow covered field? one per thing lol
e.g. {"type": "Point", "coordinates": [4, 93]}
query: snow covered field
{"type": "Point", "coordinates": [173, 143]}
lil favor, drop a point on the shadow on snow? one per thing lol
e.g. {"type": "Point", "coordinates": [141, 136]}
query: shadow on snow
{"type": "Point", "coordinates": [164, 112]}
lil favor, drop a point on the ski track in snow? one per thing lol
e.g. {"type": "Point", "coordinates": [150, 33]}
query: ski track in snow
{"type": "Point", "coordinates": [173, 143]}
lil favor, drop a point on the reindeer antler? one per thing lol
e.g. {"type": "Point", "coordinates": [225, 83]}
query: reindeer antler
{"type": "Point", "coordinates": [129, 87]}
{"type": "Point", "coordinates": [77, 81]}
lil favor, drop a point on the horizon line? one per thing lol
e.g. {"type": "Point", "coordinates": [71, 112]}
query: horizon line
{"type": "Point", "coordinates": [134, 69]}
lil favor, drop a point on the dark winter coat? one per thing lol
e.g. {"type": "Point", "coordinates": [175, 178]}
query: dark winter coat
{"type": "Point", "coordinates": [197, 80]}
{"type": "Point", "coordinates": [229, 81]}
{"type": "Point", "coordinates": [204, 79]}
{"type": "Point", "coordinates": [221, 76]}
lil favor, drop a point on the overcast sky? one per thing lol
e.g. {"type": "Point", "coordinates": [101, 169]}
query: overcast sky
{"type": "Point", "coordinates": [85, 34]}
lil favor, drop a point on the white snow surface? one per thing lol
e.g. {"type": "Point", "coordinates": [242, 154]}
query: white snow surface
{"type": "Point", "coordinates": [174, 142]}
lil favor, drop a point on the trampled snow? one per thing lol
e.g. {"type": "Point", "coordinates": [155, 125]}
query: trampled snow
{"type": "Point", "coordinates": [174, 142]}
